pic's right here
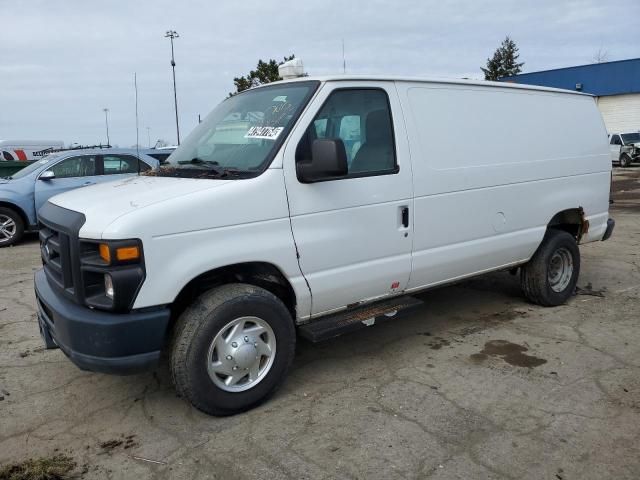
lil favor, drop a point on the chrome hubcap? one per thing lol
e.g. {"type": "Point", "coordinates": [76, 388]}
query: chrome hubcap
{"type": "Point", "coordinates": [7, 228]}
{"type": "Point", "coordinates": [560, 270]}
{"type": "Point", "coordinates": [241, 354]}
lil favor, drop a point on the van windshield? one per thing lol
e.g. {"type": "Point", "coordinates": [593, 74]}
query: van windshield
{"type": "Point", "coordinates": [240, 137]}
{"type": "Point", "coordinates": [628, 138]}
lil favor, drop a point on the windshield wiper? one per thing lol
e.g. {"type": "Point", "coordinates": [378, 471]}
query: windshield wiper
{"type": "Point", "coordinates": [213, 167]}
{"type": "Point", "coordinates": [208, 164]}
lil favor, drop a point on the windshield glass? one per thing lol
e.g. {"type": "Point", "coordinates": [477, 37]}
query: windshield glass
{"type": "Point", "coordinates": [32, 167]}
{"type": "Point", "coordinates": [241, 135]}
{"type": "Point", "coordinates": [630, 138]}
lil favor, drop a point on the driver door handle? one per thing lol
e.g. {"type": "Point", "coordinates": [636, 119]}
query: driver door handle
{"type": "Point", "coordinates": [405, 216]}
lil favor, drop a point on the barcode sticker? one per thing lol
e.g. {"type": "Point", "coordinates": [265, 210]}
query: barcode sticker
{"type": "Point", "coordinates": [266, 133]}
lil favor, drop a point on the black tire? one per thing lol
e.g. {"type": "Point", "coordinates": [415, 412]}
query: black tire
{"type": "Point", "coordinates": [535, 275]}
{"type": "Point", "coordinates": [7, 214]}
{"type": "Point", "coordinates": [198, 326]}
{"type": "Point", "coordinates": [625, 160]}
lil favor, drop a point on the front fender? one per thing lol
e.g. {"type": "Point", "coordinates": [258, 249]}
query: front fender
{"type": "Point", "coordinates": [23, 204]}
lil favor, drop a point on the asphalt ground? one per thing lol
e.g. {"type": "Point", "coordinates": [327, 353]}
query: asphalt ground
{"type": "Point", "coordinates": [477, 383]}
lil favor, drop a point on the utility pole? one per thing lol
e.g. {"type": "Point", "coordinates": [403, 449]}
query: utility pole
{"type": "Point", "coordinates": [106, 122]}
{"type": "Point", "coordinates": [171, 34]}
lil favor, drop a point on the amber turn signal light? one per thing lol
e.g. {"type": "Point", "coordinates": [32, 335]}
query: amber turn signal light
{"type": "Point", "coordinates": [127, 253]}
{"type": "Point", "coordinates": [105, 253]}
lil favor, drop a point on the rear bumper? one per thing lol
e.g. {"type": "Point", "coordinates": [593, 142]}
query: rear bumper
{"type": "Point", "coordinates": [611, 223]}
{"type": "Point", "coordinates": [100, 341]}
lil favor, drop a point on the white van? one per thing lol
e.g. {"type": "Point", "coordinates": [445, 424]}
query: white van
{"type": "Point", "coordinates": [27, 150]}
{"type": "Point", "coordinates": [313, 207]}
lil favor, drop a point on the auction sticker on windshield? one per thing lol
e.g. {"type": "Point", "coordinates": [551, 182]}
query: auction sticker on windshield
{"type": "Point", "coordinates": [266, 133]}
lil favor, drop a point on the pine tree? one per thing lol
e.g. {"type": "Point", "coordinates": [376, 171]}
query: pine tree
{"type": "Point", "coordinates": [265, 72]}
{"type": "Point", "coordinates": [504, 62]}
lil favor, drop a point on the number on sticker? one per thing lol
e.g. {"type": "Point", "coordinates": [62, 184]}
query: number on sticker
{"type": "Point", "coordinates": [267, 133]}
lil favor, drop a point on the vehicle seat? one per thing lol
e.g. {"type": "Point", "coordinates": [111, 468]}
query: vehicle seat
{"type": "Point", "coordinates": [376, 152]}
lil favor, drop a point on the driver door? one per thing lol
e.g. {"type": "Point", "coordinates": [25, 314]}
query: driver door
{"type": "Point", "coordinates": [353, 234]}
{"type": "Point", "coordinates": [70, 173]}
{"type": "Point", "coordinates": [615, 145]}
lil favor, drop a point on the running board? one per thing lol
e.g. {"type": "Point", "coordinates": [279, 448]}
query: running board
{"type": "Point", "coordinates": [356, 318]}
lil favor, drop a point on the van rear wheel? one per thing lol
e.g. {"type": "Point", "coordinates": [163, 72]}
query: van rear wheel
{"type": "Point", "coordinates": [550, 277]}
{"type": "Point", "coordinates": [232, 349]}
{"type": "Point", "coordinates": [11, 227]}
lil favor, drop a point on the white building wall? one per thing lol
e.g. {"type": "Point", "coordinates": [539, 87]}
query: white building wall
{"type": "Point", "coordinates": [621, 113]}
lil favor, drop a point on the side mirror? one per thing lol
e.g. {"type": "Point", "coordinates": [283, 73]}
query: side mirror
{"type": "Point", "coordinates": [328, 161]}
{"type": "Point", "coordinates": [47, 175]}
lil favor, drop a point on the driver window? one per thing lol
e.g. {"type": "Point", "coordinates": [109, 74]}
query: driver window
{"type": "Point", "coordinates": [361, 118]}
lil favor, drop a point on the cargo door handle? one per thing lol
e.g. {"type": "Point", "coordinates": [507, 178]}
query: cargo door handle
{"type": "Point", "coordinates": [405, 216]}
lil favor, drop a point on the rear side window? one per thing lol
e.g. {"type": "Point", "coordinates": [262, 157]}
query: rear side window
{"type": "Point", "coordinates": [120, 164]}
{"type": "Point", "coordinates": [81, 166]}
{"type": "Point", "coordinates": [361, 118]}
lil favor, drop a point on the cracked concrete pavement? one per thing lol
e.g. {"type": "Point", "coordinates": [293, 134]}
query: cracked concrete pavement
{"type": "Point", "coordinates": [440, 393]}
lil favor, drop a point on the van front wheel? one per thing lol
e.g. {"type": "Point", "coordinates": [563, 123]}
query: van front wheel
{"type": "Point", "coordinates": [232, 349]}
{"type": "Point", "coordinates": [550, 277]}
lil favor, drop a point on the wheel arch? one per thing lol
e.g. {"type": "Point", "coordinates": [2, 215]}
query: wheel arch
{"type": "Point", "coordinates": [18, 210]}
{"type": "Point", "coordinates": [572, 221]}
{"type": "Point", "coordinates": [261, 274]}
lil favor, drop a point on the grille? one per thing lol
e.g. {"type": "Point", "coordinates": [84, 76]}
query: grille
{"type": "Point", "coordinates": [55, 252]}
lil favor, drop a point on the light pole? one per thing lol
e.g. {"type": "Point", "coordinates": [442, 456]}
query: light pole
{"type": "Point", "coordinates": [106, 122]}
{"type": "Point", "coordinates": [171, 34]}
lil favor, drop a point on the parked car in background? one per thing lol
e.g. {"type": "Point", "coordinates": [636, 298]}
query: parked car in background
{"type": "Point", "coordinates": [624, 148]}
{"type": "Point", "coordinates": [27, 150]}
{"type": "Point", "coordinates": [22, 194]}
{"type": "Point", "coordinates": [161, 153]}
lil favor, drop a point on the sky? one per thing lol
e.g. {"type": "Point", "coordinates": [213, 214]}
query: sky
{"type": "Point", "coordinates": [63, 61]}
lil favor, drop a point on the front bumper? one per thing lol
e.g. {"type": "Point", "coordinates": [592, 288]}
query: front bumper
{"type": "Point", "coordinates": [119, 343]}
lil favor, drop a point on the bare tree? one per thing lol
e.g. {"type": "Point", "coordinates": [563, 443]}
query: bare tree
{"type": "Point", "coordinates": [601, 56]}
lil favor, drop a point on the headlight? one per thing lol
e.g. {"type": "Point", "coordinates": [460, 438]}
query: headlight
{"type": "Point", "coordinates": [119, 252]}
{"type": "Point", "coordinates": [112, 273]}
{"type": "Point", "coordinates": [108, 286]}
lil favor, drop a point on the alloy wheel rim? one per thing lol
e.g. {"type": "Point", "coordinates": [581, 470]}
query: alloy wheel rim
{"type": "Point", "coordinates": [560, 270]}
{"type": "Point", "coordinates": [241, 354]}
{"type": "Point", "coordinates": [7, 228]}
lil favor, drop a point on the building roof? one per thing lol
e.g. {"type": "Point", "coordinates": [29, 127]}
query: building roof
{"type": "Point", "coordinates": [600, 79]}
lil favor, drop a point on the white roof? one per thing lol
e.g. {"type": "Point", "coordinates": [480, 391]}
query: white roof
{"type": "Point", "coordinates": [438, 80]}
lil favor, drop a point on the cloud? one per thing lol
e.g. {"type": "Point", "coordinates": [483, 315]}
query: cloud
{"type": "Point", "coordinates": [62, 62]}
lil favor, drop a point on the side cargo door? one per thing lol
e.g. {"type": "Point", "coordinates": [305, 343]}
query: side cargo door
{"type": "Point", "coordinates": [353, 234]}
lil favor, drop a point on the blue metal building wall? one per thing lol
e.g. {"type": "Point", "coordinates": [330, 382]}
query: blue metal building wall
{"type": "Point", "coordinates": [600, 79]}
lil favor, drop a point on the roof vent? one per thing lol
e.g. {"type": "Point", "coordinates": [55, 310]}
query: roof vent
{"type": "Point", "coordinates": [291, 69]}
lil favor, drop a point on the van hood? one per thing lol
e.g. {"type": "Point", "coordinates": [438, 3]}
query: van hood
{"type": "Point", "coordinates": [103, 203]}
